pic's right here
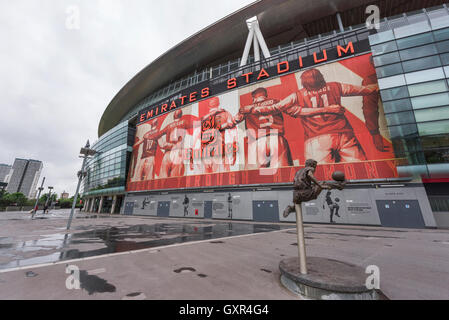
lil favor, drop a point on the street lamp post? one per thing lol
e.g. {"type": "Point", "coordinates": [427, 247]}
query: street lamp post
{"type": "Point", "coordinates": [37, 199]}
{"type": "Point", "coordinates": [85, 153]}
{"type": "Point", "coordinates": [48, 197]}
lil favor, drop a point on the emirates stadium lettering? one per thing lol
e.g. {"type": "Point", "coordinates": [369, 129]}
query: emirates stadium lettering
{"type": "Point", "coordinates": [206, 89]}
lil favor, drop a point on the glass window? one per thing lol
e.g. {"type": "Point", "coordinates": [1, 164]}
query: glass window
{"type": "Point", "coordinates": [391, 82]}
{"type": "Point", "coordinates": [418, 52]}
{"type": "Point", "coordinates": [397, 105]}
{"type": "Point", "coordinates": [386, 59]}
{"type": "Point", "coordinates": [432, 142]}
{"type": "Point", "coordinates": [394, 93]}
{"type": "Point", "coordinates": [427, 88]}
{"type": "Point", "coordinates": [403, 131]}
{"type": "Point", "coordinates": [381, 37]}
{"type": "Point", "coordinates": [416, 25]}
{"type": "Point", "coordinates": [384, 48]}
{"type": "Point", "coordinates": [437, 156]}
{"type": "Point", "coordinates": [432, 114]}
{"type": "Point", "coordinates": [446, 71]}
{"type": "Point", "coordinates": [445, 59]}
{"type": "Point", "coordinates": [442, 34]}
{"type": "Point", "coordinates": [443, 46]}
{"type": "Point", "coordinates": [435, 127]}
{"type": "Point", "coordinates": [422, 63]}
{"type": "Point", "coordinates": [404, 146]}
{"type": "Point", "coordinates": [433, 100]}
{"type": "Point", "coordinates": [438, 19]}
{"type": "Point", "coordinates": [389, 70]}
{"type": "Point", "coordinates": [414, 40]}
{"type": "Point", "coordinates": [424, 75]}
{"type": "Point", "coordinates": [416, 158]}
{"type": "Point", "coordinates": [400, 118]}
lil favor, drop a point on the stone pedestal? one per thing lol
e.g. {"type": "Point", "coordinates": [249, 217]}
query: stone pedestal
{"type": "Point", "coordinates": [327, 279]}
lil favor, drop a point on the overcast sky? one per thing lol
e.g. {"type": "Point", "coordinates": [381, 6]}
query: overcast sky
{"type": "Point", "coordinates": [56, 80]}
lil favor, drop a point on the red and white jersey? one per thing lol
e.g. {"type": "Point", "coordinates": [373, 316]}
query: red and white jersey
{"type": "Point", "coordinates": [210, 127]}
{"type": "Point", "coordinates": [261, 125]}
{"type": "Point", "coordinates": [329, 95]}
{"type": "Point", "coordinates": [150, 143]}
{"type": "Point", "coordinates": [176, 130]}
{"type": "Point", "coordinates": [327, 123]}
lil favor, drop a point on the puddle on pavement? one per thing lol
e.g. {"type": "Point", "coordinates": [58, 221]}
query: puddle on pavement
{"type": "Point", "coordinates": [31, 274]}
{"type": "Point", "coordinates": [134, 294]}
{"type": "Point", "coordinates": [105, 240]}
{"type": "Point", "coordinates": [266, 270]}
{"type": "Point", "coordinates": [184, 270]}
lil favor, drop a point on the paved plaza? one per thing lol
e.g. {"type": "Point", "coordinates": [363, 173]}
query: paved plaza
{"type": "Point", "coordinates": [128, 257]}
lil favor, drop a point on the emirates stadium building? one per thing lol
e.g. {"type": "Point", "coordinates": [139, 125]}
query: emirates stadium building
{"type": "Point", "coordinates": [217, 127]}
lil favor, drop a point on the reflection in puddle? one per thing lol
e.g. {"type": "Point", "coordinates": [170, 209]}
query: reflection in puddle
{"type": "Point", "coordinates": [105, 240]}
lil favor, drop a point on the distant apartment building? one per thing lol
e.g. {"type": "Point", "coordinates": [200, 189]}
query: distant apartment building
{"type": "Point", "coordinates": [64, 195]}
{"type": "Point", "coordinates": [25, 177]}
{"type": "Point", "coordinates": [5, 172]}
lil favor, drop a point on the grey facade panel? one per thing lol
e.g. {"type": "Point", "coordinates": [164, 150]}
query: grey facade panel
{"type": "Point", "coordinates": [356, 206]}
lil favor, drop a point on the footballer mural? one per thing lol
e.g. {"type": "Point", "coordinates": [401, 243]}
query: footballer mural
{"type": "Point", "coordinates": [263, 133]}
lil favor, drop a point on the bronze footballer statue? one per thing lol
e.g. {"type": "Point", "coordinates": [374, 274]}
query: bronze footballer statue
{"type": "Point", "coordinates": [307, 187]}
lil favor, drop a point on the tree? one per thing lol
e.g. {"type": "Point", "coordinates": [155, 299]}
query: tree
{"type": "Point", "coordinates": [4, 202]}
{"type": "Point", "coordinates": [44, 198]}
{"type": "Point", "coordinates": [78, 200]}
{"type": "Point", "coordinates": [17, 198]}
{"type": "Point", "coordinates": [3, 193]}
{"type": "Point", "coordinates": [65, 203]}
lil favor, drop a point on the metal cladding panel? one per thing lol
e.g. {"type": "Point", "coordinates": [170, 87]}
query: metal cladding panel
{"type": "Point", "coordinates": [356, 206]}
{"type": "Point", "coordinates": [145, 205]}
{"type": "Point", "coordinates": [265, 210]}
{"type": "Point", "coordinates": [400, 213]}
{"type": "Point", "coordinates": [418, 193]}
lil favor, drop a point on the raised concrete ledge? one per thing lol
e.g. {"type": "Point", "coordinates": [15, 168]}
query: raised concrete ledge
{"type": "Point", "coordinates": [326, 279]}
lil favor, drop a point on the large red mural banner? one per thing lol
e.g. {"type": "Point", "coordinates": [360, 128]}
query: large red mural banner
{"type": "Point", "coordinates": [263, 133]}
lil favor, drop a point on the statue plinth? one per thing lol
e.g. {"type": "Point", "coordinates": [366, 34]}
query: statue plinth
{"type": "Point", "coordinates": [327, 279]}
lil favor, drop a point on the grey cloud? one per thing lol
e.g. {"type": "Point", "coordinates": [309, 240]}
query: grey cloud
{"type": "Point", "coordinates": [55, 83]}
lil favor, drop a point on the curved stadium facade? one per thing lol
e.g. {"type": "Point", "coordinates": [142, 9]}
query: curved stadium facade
{"type": "Point", "coordinates": [200, 133]}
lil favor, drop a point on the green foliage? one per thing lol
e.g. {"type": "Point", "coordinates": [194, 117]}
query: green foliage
{"type": "Point", "coordinates": [65, 203]}
{"type": "Point", "coordinates": [3, 193]}
{"type": "Point", "coordinates": [116, 182]}
{"type": "Point", "coordinates": [3, 201]}
{"type": "Point", "coordinates": [30, 202]}
{"type": "Point", "coordinates": [44, 198]}
{"type": "Point", "coordinates": [17, 198]}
